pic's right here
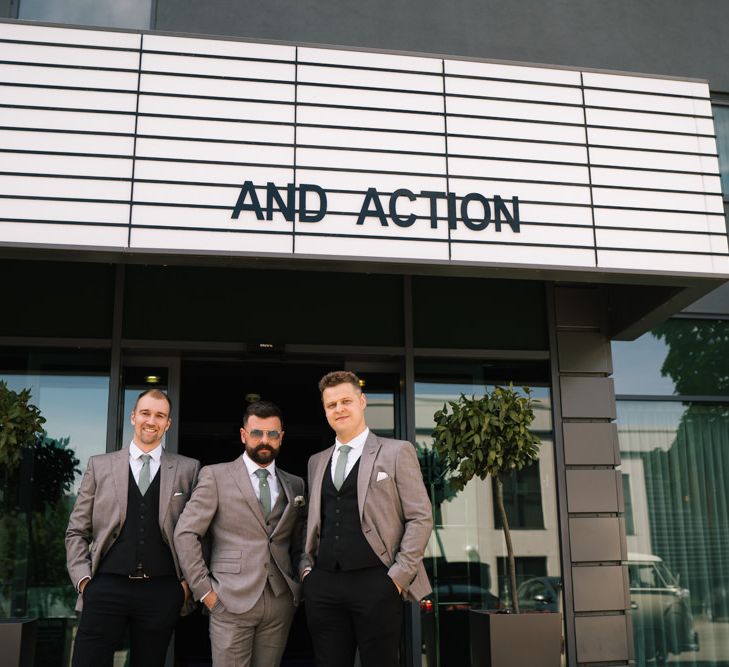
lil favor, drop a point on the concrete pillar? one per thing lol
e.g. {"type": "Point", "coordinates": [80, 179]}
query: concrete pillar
{"type": "Point", "coordinates": [597, 595]}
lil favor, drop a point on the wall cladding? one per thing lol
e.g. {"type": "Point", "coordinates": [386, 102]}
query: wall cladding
{"type": "Point", "coordinates": [595, 547]}
{"type": "Point", "coordinates": [117, 139]}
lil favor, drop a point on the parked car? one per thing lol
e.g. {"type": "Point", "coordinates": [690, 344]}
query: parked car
{"type": "Point", "coordinates": [661, 610]}
{"type": "Point", "coordinates": [540, 594]}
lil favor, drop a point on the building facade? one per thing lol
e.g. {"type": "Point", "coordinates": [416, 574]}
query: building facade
{"type": "Point", "coordinates": [227, 201]}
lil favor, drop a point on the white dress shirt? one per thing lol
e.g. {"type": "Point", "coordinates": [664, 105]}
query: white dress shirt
{"type": "Point", "coordinates": [136, 463]}
{"type": "Point", "coordinates": [272, 478]}
{"type": "Point", "coordinates": [357, 445]}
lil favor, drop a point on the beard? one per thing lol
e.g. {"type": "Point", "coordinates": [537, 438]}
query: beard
{"type": "Point", "coordinates": [262, 454]}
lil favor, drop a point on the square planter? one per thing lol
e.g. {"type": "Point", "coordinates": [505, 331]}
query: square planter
{"type": "Point", "coordinates": [17, 641]}
{"type": "Point", "coordinates": [511, 640]}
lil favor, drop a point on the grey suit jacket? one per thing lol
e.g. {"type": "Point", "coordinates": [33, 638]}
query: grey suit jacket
{"type": "Point", "coordinates": [224, 507]}
{"type": "Point", "coordinates": [395, 511]}
{"type": "Point", "coordinates": [101, 508]}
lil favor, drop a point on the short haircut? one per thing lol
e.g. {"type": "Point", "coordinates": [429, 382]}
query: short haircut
{"type": "Point", "coordinates": [339, 377]}
{"type": "Point", "coordinates": [154, 393]}
{"type": "Point", "coordinates": [262, 409]}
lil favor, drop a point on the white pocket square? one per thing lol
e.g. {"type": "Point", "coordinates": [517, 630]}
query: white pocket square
{"type": "Point", "coordinates": [178, 493]}
{"type": "Point", "coordinates": [381, 475]}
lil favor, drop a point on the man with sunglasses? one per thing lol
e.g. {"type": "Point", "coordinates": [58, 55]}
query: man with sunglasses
{"type": "Point", "coordinates": [252, 512]}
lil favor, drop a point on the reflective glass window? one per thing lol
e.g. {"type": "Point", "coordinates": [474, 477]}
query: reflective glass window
{"type": "Point", "coordinates": [675, 464]}
{"type": "Point", "coordinates": [721, 127]}
{"type": "Point", "coordinates": [681, 356]}
{"type": "Point", "coordinates": [466, 554]}
{"type": "Point", "coordinates": [36, 501]}
{"type": "Point", "coordinates": [105, 13]}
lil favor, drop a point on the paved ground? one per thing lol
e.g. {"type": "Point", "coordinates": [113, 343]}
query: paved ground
{"type": "Point", "coordinates": [714, 643]}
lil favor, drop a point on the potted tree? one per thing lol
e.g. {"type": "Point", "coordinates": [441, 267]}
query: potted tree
{"type": "Point", "coordinates": [489, 435]}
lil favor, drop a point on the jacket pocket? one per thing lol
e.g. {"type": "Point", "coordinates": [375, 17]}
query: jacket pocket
{"type": "Point", "coordinates": [229, 566]}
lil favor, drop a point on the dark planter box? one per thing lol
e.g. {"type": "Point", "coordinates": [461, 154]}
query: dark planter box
{"type": "Point", "coordinates": [515, 640]}
{"type": "Point", "coordinates": [17, 641]}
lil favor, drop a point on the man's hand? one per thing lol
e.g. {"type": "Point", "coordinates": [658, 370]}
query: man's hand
{"type": "Point", "coordinates": [186, 588]}
{"type": "Point", "coordinates": [399, 589]}
{"type": "Point", "coordinates": [210, 599]}
{"type": "Point", "coordinates": [82, 584]}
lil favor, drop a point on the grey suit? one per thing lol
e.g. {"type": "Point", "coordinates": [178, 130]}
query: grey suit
{"type": "Point", "coordinates": [101, 509]}
{"type": "Point", "coordinates": [246, 555]}
{"type": "Point", "coordinates": [395, 511]}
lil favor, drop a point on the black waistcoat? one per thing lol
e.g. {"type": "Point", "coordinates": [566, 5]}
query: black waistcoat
{"type": "Point", "coordinates": [140, 540]}
{"type": "Point", "coordinates": [342, 545]}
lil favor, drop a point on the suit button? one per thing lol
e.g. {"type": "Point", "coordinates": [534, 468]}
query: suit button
{"type": "Point", "coordinates": [141, 541]}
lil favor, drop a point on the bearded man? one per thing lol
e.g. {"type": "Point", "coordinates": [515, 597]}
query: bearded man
{"type": "Point", "coordinates": [253, 515]}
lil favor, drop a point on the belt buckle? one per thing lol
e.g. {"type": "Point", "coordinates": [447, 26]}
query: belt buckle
{"type": "Point", "coordinates": [139, 574]}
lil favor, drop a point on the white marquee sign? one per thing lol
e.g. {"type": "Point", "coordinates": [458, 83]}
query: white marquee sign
{"type": "Point", "coordinates": [123, 140]}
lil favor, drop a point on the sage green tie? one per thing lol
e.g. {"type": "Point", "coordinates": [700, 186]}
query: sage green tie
{"type": "Point", "coordinates": [264, 491]}
{"type": "Point", "coordinates": [144, 474]}
{"type": "Point", "coordinates": [341, 466]}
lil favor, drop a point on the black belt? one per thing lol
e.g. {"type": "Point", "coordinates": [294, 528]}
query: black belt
{"type": "Point", "coordinates": [139, 574]}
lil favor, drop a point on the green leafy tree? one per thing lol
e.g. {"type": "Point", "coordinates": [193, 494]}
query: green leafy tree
{"type": "Point", "coordinates": [488, 435]}
{"type": "Point", "coordinates": [20, 425]}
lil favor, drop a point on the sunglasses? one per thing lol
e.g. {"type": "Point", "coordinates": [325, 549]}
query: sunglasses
{"type": "Point", "coordinates": [257, 434]}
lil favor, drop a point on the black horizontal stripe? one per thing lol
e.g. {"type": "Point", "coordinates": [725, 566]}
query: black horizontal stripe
{"type": "Point", "coordinates": [324, 147]}
{"type": "Point", "coordinates": [62, 45]}
{"type": "Point", "coordinates": [56, 65]}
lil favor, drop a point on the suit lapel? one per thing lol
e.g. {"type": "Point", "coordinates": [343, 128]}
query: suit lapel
{"type": "Point", "coordinates": [315, 484]}
{"type": "Point", "coordinates": [286, 493]}
{"type": "Point", "coordinates": [120, 473]}
{"type": "Point", "coordinates": [167, 475]}
{"type": "Point", "coordinates": [366, 464]}
{"type": "Point", "coordinates": [239, 473]}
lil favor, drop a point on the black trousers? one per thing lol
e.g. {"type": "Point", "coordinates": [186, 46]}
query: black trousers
{"type": "Point", "coordinates": [346, 610]}
{"type": "Point", "coordinates": [112, 603]}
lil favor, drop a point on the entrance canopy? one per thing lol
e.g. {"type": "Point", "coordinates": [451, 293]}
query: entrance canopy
{"type": "Point", "coordinates": [124, 144]}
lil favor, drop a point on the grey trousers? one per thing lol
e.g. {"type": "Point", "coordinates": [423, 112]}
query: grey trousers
{"type": "Point", "coordinates": [256, 638]}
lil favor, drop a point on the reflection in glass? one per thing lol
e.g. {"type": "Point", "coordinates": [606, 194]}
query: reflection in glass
{"type": "Point", "coordinates": [675, 457]}
{"type": "Point", "coordinates": [465, 556]}
{"type": "Point", "coordinates": [681, 356]}
{"type": "Point", "coordinates": [721, 127]}
{"type": "Point", "coordinates": [637, 367]}
{"type": "Point", "coordinates": [33, 577]}
{"type": "Point", "coordinates": [105, 13]}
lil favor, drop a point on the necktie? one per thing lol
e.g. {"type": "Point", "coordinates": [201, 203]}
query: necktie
{"type": "Point", "coordinates": [341, 466]}
{"type": "Point", "coordinates": [143, 483]}
{"type": "Point", "coordinates": [264, 491]}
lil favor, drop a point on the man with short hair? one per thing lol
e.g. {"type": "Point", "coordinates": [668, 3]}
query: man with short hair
{"type": "Point", "coordinates": [119, 543]}
{"type": "Point", "coordinates": [369, 522]}
{"type": "Point", "coordinates": [253, 514]}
